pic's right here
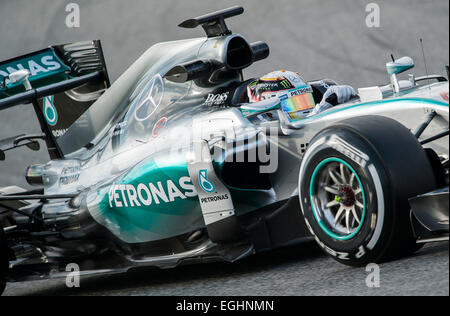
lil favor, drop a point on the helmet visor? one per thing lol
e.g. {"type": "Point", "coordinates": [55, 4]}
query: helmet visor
{"type": "Point", "coordinates": [298, 106]}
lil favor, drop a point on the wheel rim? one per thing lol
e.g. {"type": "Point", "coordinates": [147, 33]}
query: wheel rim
{"type": "Point", "coordinates": [337, 199]}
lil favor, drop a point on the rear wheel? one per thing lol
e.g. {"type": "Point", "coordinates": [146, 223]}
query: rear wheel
{"type": "Point", "coordinates": [355, 181]}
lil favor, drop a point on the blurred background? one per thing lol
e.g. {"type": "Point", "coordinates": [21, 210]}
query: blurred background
{"type": "Point", "coordinates": [318, 38]}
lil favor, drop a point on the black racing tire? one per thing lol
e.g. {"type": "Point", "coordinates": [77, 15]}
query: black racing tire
{"type": "Point", "coordinates": [390, 167]}
{"type": "Point", "coordinates": [4, 261]}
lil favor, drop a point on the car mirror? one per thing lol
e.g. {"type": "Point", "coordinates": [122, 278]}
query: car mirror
{"type": "Point", "coordinates": [396, 67]}
{"type": "Point", "coordinates": [399, 65]}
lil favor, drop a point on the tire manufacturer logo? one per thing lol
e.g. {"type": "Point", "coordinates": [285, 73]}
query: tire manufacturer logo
{"type": "Point", "coordinates": [349, 151]}
{"type": "Point", "coordinates": [205, 184]}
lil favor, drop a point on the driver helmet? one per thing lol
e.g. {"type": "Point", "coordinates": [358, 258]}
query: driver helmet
{"type": "Point", "coordinates": [295, 94]}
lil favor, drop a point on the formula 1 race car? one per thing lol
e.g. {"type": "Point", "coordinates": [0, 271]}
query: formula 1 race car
{"type": "Point", "coordinates": [172, 164]}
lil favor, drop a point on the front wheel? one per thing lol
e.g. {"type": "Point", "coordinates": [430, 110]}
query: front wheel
{"type": "Point", "coordinates": [355, 181]}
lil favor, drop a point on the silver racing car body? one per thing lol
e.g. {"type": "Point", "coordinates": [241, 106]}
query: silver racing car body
{"type": "Point", "coordinates": [172, 165]}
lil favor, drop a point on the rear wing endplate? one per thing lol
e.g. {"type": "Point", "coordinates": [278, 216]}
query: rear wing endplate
{"type": "Point", "coordinates": [65, 81]}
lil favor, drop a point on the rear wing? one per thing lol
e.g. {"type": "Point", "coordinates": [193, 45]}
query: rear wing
{"type": "Point", "coordinates": [64, 81]}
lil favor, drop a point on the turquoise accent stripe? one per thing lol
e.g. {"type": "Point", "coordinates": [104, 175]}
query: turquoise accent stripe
{"type": "Point", "coordinates": [376, 103]}
{"type": "Point", "coordinates": [398, 69]}
{"type": "Point", "coordinates": [248, 112]}
{"type": "Point", "coordinates": [312, 193]}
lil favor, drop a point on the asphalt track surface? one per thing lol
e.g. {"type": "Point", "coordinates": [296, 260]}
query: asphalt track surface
{"type": "Point", "coordinates": [325, 38]}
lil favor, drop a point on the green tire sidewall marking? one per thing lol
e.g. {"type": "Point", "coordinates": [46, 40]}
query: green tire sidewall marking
{"type": "Point", "coordinates": [312, 192]}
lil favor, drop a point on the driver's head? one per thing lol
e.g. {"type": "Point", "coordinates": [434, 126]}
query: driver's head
{"type": "Point", "coordinates": [295, 94]}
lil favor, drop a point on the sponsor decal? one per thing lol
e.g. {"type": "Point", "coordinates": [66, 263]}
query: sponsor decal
{"type": "Point", "coordinates": [69, 175]}
{"type": "Point", "coordinates": [300, 91]}
{"type": "Point", "coordinates": [286, 84]}
{"type": "Point", "coordinates": [49, 110]}
{"type": "Point", "coordinates": [146, 194]}
{"type": "Point", "coordinates": [444, 96]}
{"type": "Point", "coordinates": [59, 132]}
{"type": "Point", "coordinates": [253, 84]}
{"type": "Point", "coordinates": [263, 88]}
{"type": "Point", "coordinates": [215, 198]}
{"type": "Point", "coordinates": [268, 86]}
{"type": "Point", "coordinates": [205, 184]}
{"type": "Point", "coordinates": [40, 64]}
{"type": "Point", "coordinates": [158, 126]}
{"type": "Point", "coordinates": [217, 99]}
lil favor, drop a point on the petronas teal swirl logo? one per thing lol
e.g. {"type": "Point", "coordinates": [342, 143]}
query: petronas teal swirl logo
{"type": "Point", "coordinates": [50, 113]}
{"type": "Point", "coordinates": [205, 184]}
